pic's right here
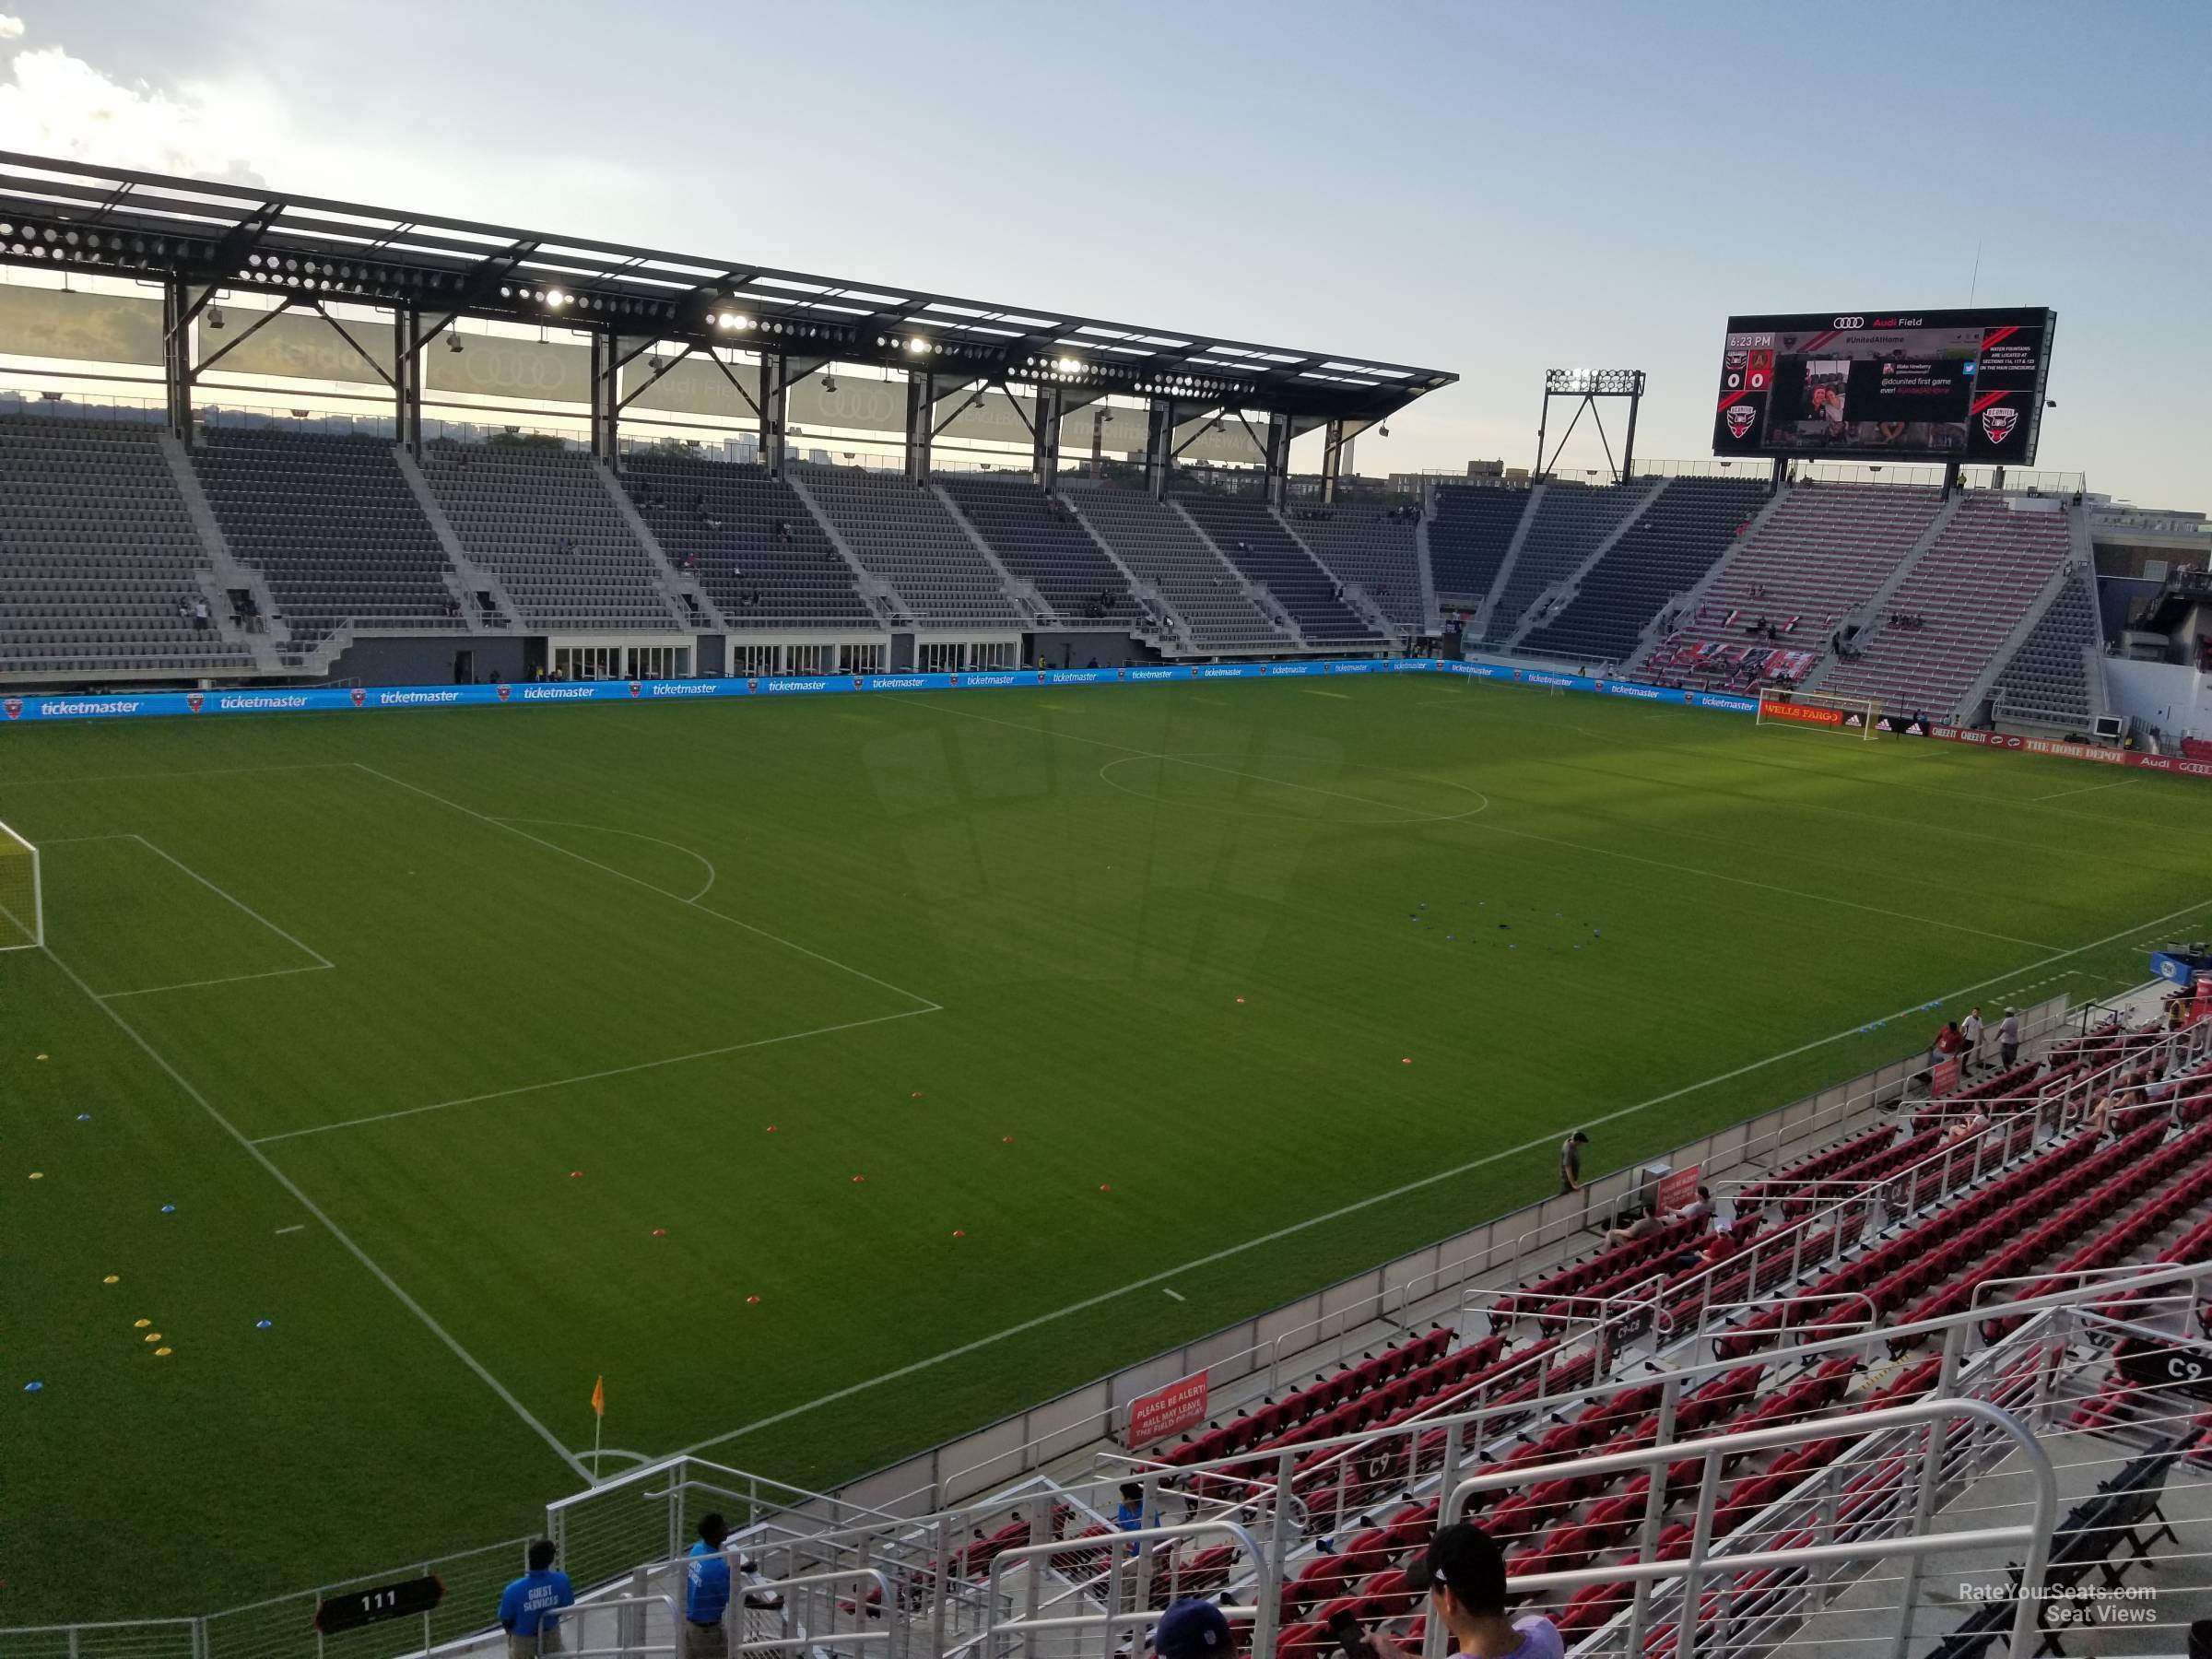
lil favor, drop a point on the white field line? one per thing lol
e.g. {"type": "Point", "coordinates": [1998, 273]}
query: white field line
{"type": "Point", "coordinates": [514, 828]}
{"type": "Point", "coordinates": [228, 979]}
{"type": "Point", "coordinates": [295, 1227]}
{"type": "Point", "coordinates": [299, 945]}
{"type": "Point", "coordinates": [320, 964]}
{"type": "Point", "coordinates": [337, 1232]}
{"type": "Point", "coordinates": [1339, 696]}
{"type": "Point", "coordinates": [618, 1071]}
{"type": "Point", "coordinates": [1872, 909]}
{"type": "Point", "coordinates": [1546, 1139]}
{"type": "Point", "coordinates": [712, 873]}
{"type": "Point", "coordinates": [218, 771]}
{"type": "Point", "coordinates": [2085, 789]}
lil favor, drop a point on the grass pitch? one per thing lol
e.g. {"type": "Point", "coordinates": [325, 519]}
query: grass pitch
{"type": "Point", "coordinates": [481, 1053]}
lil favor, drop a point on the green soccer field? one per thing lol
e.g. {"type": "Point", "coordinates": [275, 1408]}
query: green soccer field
{"type": "Point", "coordinates": [485, 1053]}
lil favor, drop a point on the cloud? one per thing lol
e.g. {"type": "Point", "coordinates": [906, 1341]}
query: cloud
{"type": "Point", "coordinates": [53, 103]}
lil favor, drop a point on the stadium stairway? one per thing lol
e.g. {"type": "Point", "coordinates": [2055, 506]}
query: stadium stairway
{"type": "Point", "coordinates": [1569, 525]}
{"type": "Point", "coordinates": [751, 544]}
{"type": "Point", "coordinates": [1470, 529]}
{"type": "Point", "coordinates": [1822, 553]}
{"type": "Point", "coordinates": [1664, 549]}
{"type": "Point", "coordinates": [1374, 552]}
{"type": "Point", "coordinates": [334, 529]}
{"type": "Point", "coordinates": [100, 560]}
{"type": "Point", "coordinates": [2055, 677]}
{"type": "Point", "coordinates": [1251, 537]}
{"type": "Point", "coordinates": [1990, 574]}
{"type": "Point", "coordinates": [1157, 544]}
{"type": "Point", "coordinates": [902, 535]}
{"type": "Point", "coordinates": [542, 520]}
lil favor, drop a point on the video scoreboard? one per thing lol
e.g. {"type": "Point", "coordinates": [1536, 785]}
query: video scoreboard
{"type": "Point", "coordinates": [1936, 386]}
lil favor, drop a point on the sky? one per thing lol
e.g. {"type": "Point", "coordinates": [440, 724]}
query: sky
{"type": "Point", "coordinates": [1488, 189]}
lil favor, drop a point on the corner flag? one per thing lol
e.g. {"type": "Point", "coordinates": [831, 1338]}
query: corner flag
{"type": "Point", "coordinates": [599, 1397]}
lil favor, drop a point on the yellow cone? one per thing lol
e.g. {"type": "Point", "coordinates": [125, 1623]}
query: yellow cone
{"type": "Point", "coordinates": [140, 1323]}
{"type": "Point", "coordinates": [163, 1353]}
{"type": "Point", "coordinates": [38, 1174]}
{"type": "Point", "coordinates": [153, 1336]}
{"type": "Point", "coordinates": [113, 1278]}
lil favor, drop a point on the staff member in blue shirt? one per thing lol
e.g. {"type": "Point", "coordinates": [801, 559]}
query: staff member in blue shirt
{"type": "Point", "coordinates": [707, 1592]}
{"type": "Point", "coordinates": [530, 1608]}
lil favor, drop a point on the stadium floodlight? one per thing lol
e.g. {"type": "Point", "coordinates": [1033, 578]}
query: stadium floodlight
{"type": "Point", "coordinates": [556, 298]}
{"type": "Point", "coordinates": [453, 341]}
{"type": "Point", "coordinates": [1068, 365]}
{"type": "Point", "coordinates": [1599, 383]}
{"type": "Point", "coordinates": [917, 345]}
{"type": "Point", "coordinates": [215, 317]}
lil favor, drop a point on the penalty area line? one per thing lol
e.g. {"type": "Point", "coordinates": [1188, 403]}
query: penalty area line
{"type": "Point", "coordinates": [308, 1205]}
{"type": "Point", "coordinates": [616, 1071]}
{"type": "Point", "coordinates": [1181, 1269]}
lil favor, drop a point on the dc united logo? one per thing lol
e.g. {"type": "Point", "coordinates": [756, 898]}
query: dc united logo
{"type": "Point", "coordinates": [359, 697]}
{"type": "Point", "coordinates": [955, 679]}
{"type": "Point", "coordinates": [1735, 362]}
{"type": "Point", "coordinates": [194, 701]}
{"type": "Point", "coordinates": [1517, 675]}
{"type": "Point", "coordinates": [1997, 424]}
{"type": "Point", "coordinates": [1120, 674]}
{"type": "Point", "coordinates": [859, 684]}
{"type": "Point", "coordinates": [752, 685]}
{"type": "Point", "coordinates": [504, 690]}
{"type": "Point", "coordinates": [1740, 416]}
{"type": "Point", "coordinates": [14, 708]}
{"type": "Point", "coordinates": [637, 687]}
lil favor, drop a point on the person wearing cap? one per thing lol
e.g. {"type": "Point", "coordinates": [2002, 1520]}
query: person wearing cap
{"type": "Point", "coordinates": [2008, 1040]}
{"type": "Point", "coordinates": [530, 1607]}
{"type": "Point", "coordinates": [1971, 1028]}
{"type": "Point", "coordinates": [707, 1592]}
{"type": "Point", "coordinates": [1193, 1629]}
{"type": "Point", "coordinates": [1463, 1572]}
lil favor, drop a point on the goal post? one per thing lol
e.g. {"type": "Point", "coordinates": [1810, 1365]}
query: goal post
{"type": "Point", "coordinates": [22, 907]}
{"type": "Point", "coordinates": [1847, 716]}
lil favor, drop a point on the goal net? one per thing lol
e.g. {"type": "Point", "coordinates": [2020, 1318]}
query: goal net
{"type": "Point", "coordinates": [1848, 716]}
{"type": "Point", "coordinates": [22, 918]}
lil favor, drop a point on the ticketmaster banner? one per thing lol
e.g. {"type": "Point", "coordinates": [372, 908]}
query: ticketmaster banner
{"type": "Point", "coordinates": [341, 698]}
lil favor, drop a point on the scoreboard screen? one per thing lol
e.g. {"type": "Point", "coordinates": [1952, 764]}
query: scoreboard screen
{"type": "Point", "coordinates": [1936, 386]}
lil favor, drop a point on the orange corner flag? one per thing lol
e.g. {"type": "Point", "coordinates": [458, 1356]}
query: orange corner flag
{"type": "Point", "coordinates": [599, 1397]}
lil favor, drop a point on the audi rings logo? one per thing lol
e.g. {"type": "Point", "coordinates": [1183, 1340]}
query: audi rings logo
{"type": "Point", "coordinates": [1851, 323]}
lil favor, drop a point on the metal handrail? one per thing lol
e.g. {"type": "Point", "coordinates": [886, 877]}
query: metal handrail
{"type": "Point", "coordinates": [2033, 1536]}
{"type": "Point", "coordinates": [1262, 1635]}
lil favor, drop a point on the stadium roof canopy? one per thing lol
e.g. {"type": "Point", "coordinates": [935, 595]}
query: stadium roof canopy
{"type": "Point", "coordinates": [77, 215]}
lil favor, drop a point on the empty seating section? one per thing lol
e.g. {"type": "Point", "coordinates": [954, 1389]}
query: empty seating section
{"type": "Point", "coordinates": [1152, 540]}
{"type": "Point", "coordinates": [747, 540]}
{"type": "Point", "coordinates": [902, 535]}
{"type": "Point", "coordinates": [98, 555]}
{"type": "Point", "coordinates": [1373, 546]}
{"type": "Point", "coordinates": [2048, 678]}
{"type": "Point", "coordinates": [1256, 543]}
{"type": "Point", "coordinates": [540, 521]}
{"type": "Point", "coordinates": [1470, 531]}
{"type": "Point", "coordinates": [1041, 541]}
{"type": "Point", "coordinates": [1988, 567]}
{"type": "Point", "coordinates": [1823, 551]}
{"type": "Point", "coordinates": [1572, 520]}
{"type": "Point", "coordinates": [1667, 550]}
{"type": "Point", "coordinates": [333, 526]}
